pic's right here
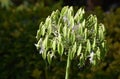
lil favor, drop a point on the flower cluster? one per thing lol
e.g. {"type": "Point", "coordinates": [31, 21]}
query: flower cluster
{"type": "Point", "coordinates": [76, 35]}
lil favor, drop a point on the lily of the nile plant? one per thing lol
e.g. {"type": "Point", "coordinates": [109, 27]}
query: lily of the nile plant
{"type": "Point", "coordinates": [75, 36]}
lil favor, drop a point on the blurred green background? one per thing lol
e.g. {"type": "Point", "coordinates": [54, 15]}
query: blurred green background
{"type": "Point", "coordinates": [19, 59]}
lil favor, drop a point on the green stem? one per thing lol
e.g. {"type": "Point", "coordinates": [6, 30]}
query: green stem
{"type": "Point", "coordinates": [46, 74]}
{"type": "Point", "coordinates": [67, 67]}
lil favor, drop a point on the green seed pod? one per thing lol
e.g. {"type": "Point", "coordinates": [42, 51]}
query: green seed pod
{"type": "Point", "coordinates": [64, 11]}
{"type": "Point", "coordinates": [49, 57]}
{"type": "Point", "coordinates": [95, 28]}
{"type": "Point", "coordinates": [38, 35]}
{"type": "Point", "coordinates": [65, 31]}
{"type": "Point", "coordinates": [54, 45]}
{"type": "Point", "coordinates": [44, 55]}
{"type": "Point", "coordinates": [60, 48]}
{"type": "Point", "coordinates": [70, 10]}
{"type": "Point", "coordinates": [98, 53]}
{"type": "Point", "coordinates": [68, 33]}
{"type": "Point", "coordinates": [48, 22]}
{"type": "Point", "coordinates": [71, 22]}
{"type": "Point", "coordinates": [39, 44]}
{"type": "Point", "coordinates": [88, 46]}
{"type": "Point", "coordinates": [79, 50]}
{"type": "Point", "coordinates": [49, 30]}
{"type": "Point", "coordinates": [72, 37]}
{"type": "Point", "coordinates": [45, 41]}
{"type": "Point", "coordinates": [59, 38]}
{"type": "Point", "coordinates": [94, 44]}
{"type": "Point", "coordinates": [101, 35]}
{"type": "Point", "coordinates": [79, 15]}
{"type": "Point", "coordinates": [85, 32]}
{"type": "Point", "coordinates": [80, 29]}
{"type": "Point", "coordinates": [83, 24]}
{"type": "Point", "coordinates": [73, 51]}
{"type": "Point", "coordinates": [102, 27]}
{"type": "Point", "coordinates": [43, 30]}
{"type": "Point", "coordinates": [82, 61]}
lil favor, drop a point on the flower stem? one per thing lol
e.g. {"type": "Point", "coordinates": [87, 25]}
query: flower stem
{"type": "Point", "coordinates": [67, 67]}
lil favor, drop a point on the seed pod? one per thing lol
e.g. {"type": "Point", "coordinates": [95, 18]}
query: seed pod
{"type": "Point", "coordinates": [88, 46]}
{"type": "Point", "coordinates": [85, 33]}
{"type": "Point", "coordinates": [79, 15]}
{"type": "Point", "coordinates": [64, 11]}
{"type": "Point", "coordinates": [49, 30]}
{"type": "Point", "coordinates": [80, 29]}
{"type": "Point", "coordinates": [83, 24]}
{"type": "Point", "coordinates": [94, 44]}
{"type": "Point", "coordinates": [72, 37]}
{"type": "Point", "coordinates": [102, 27]}
{"type": "Point", "coordinates": [38, 45]}
{"type": "Point", "coordinates": [38, 35]}
{"type": "Point", "coordinates": [71, 22]}
{"type": "Point", "coordinates": [73, 51]}
{"type": "Point", "coordinates": [45, 41]}
{"type": "Point", "coordinates": [95, 28]}
{"type": "Point", "coordinates": [59, 38]}
{"type": "Point", "coordinates": [49, 57]}
{"type": "Point", "coordinates": [60, 48]}
{"type": "Point", "coordinates": [54, 45]}
{"type": "Point", "coordinates": [98, 53]}
{"type": "Point", "coordinates": [79, 50]}
{"type": "Point", "coordinates": [43, 30]}
{"type": "Point", "coordinates": [44, 54]}
{"type": "Point", "coordinates": [68, 33]}
{"type": "Point", "coordinates": [65, 31]}
{"type": "Point", "coordinates": [101, 35]}
{"type": "Point", "coordinates": [82, 61]}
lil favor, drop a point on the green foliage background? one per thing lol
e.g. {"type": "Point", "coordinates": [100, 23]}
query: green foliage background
{"type": "Point", "coordinates": [19, 58]}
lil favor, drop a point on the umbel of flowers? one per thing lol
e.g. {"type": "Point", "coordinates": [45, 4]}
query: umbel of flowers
{"type": "Point", "coordinates": [73, 35]}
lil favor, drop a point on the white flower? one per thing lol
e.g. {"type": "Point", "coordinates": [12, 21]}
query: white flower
{"type": "Point", "coordinates": [91, 57]}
